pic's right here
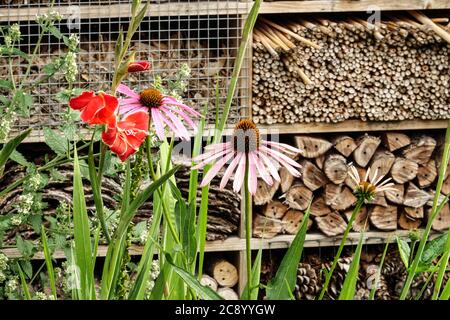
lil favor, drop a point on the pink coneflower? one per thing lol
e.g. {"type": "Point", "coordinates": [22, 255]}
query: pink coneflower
{"type": "Point", "coordinates": [164, 110]}
{"type": "Point", "coordinates": [246, 144]}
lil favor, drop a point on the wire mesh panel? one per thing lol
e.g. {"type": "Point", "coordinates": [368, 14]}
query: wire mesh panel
{"type": "Point", "coordinates": [204, 35]}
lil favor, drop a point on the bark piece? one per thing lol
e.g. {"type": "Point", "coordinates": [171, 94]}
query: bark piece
{"type": "Point", "coordinates": [332, 191]}
{"type": "Point", "coordinates": [335, 168]}
{"type": "Point", "coordinates": [442, 220]}
{"type": "Point", "coordinates": [345, 145]}
{"type": "Point", "coordinates": [382, 162]}
{"type": "Point", "coordinates": [414, 213]}
{"type": "Point", "coordinates": [396, 196]}
{"type": "Point", "coordinates": [312, 176]}
{"type": "Point", "coordinates": [331, 224]}
{"type": "Point", "coordinates": [228, 294]}
{"type": "Point", "coordinates": [404, 170]}
{"type": "Point", "coordinates": [264, 192]}
{"type": "Point", "coordinates": [344, 200]}
{"type": "Point", "coordinates": [275, 209]}
{"type": "Point", "coordinates": [407, 223]}
{"type": "Point", "coordinates": [395, 140]}
{"type": "Point", "coordinates": [298, 197]}
{"type": "Point", "coordinates": [319, 207]}
{"type": "Point", "coordinates": [312, 147]}
{"type": "Point", "coordinates": [426, 174]}
{"type": "Point", "coordinates": [360, 221]}
{"type": "Point", "coordinates": [415, 197]}
{"type": "Point", "coordinates": [384, 218]}
{"type": "Point", "coordinates": [266, 228]}
{"type": "Point", "coordinates": [286, 179]}
{"type": "Point", "coordinates": [367, 145]}
{"type": "Point", "coordinates": [420, 149]}
{"type": "Point", "coordinates": [224, 273]}
{"type": "Point", "coordinates": [292, 221]}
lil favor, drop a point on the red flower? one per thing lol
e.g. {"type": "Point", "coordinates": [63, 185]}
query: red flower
{"type": "Point", "coordinates": [126, 136]}
{"type": "Point", "coordinates": [138, 66]}
{"type": "Point", "coordinates": [95, 109]}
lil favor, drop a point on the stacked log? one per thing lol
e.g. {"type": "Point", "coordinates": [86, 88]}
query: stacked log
{"type": "Point", "coordinates": [222, 277]}
{"type": "Point", "coordinates": [411, 160]}
{"type": "Point", "coordinates": [323, 70]}
{"type": "Point", "coordinates": [223, 212]}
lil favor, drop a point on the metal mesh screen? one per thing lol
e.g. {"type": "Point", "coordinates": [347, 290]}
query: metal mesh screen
{"type": "Point", "coordinates": [203, 34]}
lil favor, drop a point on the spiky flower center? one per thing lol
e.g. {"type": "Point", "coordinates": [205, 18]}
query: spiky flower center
{"type": "Point", "coordinates": [151, 98]}
{"type": "Point", "coordinates": [366, 190]}
{"type": "Point", "coordinates": [246, 136]}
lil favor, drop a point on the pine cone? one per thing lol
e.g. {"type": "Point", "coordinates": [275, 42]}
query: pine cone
{"type": "Point", "coordinates": [338, 277]}
{"type": "Point", "coordinates": [308, 283]}
{"type": "Point", "coordinates": [382, 291]}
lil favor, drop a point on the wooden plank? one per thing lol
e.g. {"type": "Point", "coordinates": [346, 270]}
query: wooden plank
{"type": "Point", "coordinates": [236, 244]}
{"type": "Point", "coordinates": [353, 126]}
{"type": "Point", "coordinates": [123, 10]}
{"type": "Point", "coordinates": [350, 5]}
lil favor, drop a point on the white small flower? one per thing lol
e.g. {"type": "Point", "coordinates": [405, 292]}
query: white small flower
{"type": "Point", "coordinates": [16, 220]}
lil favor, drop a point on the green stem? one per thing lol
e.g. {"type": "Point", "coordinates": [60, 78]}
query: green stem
{"type": "Point", "coordinates": [444, 162]}
{"type": "Point", "coordinates": [355, 212]}
{"type": "Point", "coordinates": [248, 226]}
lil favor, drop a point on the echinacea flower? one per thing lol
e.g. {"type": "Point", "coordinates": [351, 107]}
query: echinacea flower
{"type": "Point", "coordinates": [126, 136]}
{"type": "Point", "coordinates": [368, 187]}
{"type": "Point", "coordinates": [95, 109]}
{"type": "Point", "coordinates": [138, 66]}
{"type": "Point", "coordinates": [164, 110]}
{"type": "Point", "coordinates": [247, 145]}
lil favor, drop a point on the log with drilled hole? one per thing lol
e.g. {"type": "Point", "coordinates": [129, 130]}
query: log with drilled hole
{"type": "Point", "coordinates": [410, 159]}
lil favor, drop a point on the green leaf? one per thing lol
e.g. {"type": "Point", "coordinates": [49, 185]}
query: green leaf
{"type": "Point", "coordinates": [10, 146]}
{"type": "Point", "coordinates": [25, 101]}
{"type": "Point", "coordinates": [55, 32]}
{"type": "Point", "coordinates": [349, 286]}
{"type": "Point", "coordinates": [186, 224]}
{"type": "Point", "coordinates": [55, 141]}
{"type": "Point", "coordinates": [27, 268]}
{"type": "Point", "coordinates": [404, 250]}
{"type": "Point", "coordinates": [25, 247]}
{"type": "Point", "coordinates": [48, 261]}
{"type": "Point", "coordinates": [25, 289]}
{"type": "Point", "coordinates": [205, 292]}
{"type": "Point", "coordinates": [96, 191]}
{"type": "Point", "coordinates": [277, 289]}
{"type": "Point", "coordinates": [36, 222]}
{"type": "Point", "coordinates": [432, 250]}
{"type": "Point", "coordinates": [82, 237]}
{"type": "Point", "coordinates": [6, 84]}
{"type": "Point", "coordinates": [254, 286]}
{"type": "Point", "coordinates": [17, 157]}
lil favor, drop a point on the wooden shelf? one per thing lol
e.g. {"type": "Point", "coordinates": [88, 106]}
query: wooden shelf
{"type": "Point", "coordinates": [352, 126]}
{"type": "Point", "coordinates": [237, 244]}
{"type": "Point", "coordinates": [123, 10]}
{"type": "Point", "coordinates": [349, 5]}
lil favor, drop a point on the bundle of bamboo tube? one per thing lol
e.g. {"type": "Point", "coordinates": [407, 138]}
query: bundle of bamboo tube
{"type": "Point", "coordinates": [319, 70]}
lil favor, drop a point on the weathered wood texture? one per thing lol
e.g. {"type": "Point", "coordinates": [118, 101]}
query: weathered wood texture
{"type": "Point", "coordinates": [410, 159]}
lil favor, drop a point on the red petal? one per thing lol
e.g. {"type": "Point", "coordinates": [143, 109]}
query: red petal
{"type": "Point", "coordinates": [140, 120]}
{"type": "Point", "coordinates": [88, 113]}
{"type": "Point", "coordinates": [138, 66]}
{"type": "Point", "coordinates": [110, 135]}
{"type": "Point", "coordinates": [111, 102]}
{"type": "Point", "coordinates": [81, 101]}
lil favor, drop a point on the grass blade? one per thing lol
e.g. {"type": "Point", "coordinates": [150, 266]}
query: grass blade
{"type": "Point", "coordinates": [26, 291]}
{"type": "Point", "coordinates": [48, 262]}
{"type": "Point", "coordinates": [82, 237]}
{"type": "Point", "coordinates": [378, 275]}
{"type": "Point", "coordinates": [277, 288]}
{"type": "Point", "coordinates": [96, 191]}
{"type": "Point", "coordinates": [253, 293]}
{"type": "Point", "coordinates": [349, 286]}
{"type": "Point", "coordinates": [10, 146]}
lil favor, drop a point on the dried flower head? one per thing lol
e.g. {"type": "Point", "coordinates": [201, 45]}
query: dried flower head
{"type": "Point", "coordinates": [370, 185]}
